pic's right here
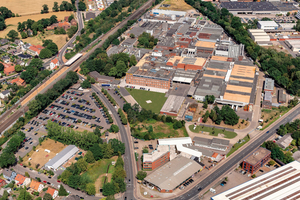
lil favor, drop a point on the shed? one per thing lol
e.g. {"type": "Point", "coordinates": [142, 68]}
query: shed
{"type": "Point", "coordinates": [285, 141]}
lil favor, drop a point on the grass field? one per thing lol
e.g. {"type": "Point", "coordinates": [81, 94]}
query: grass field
{"type": "Point", "coordinates": [41, 157]}
{"type": "Point", "coordinates": [238, 145]}
{"type": "Point", "coordinates": [12, 24]}
{"type": "Point", "coordinates": [178, 5]}
{"type": "Point", "coordinates": [227, 134]}
{"type": "Point", "coordinates": [25, 7]}
{"type": "Point", "coordinates": [141, 96]}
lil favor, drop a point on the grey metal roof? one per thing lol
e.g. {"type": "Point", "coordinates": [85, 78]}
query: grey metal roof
{"type": "Point", "coordinates": [172, 104]}
{"type": "Point", "coordinates": [7, 172]}
{"type": "Point", "coordinates": [269, 84]}
{"type": "Point", "coordinates": [249, 6]}
{"type": "Point", "coordinates": [268, 96]}
{"type": "Point", "coordinates": [90, 15]}
{"type": "Point", "coordinates": [62, 157]}
{"type": "Point", "coordinates": [5, 92]}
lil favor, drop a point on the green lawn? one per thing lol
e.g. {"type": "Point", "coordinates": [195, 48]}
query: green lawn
{"type": "Point", "coordinates": [227, 134]}
{"type": "Point", "coordinates": [96, 169]}
{"type": "Point", "coordinates": [141, 96]}
{"type": "Point", "coordinates": [238, 145]}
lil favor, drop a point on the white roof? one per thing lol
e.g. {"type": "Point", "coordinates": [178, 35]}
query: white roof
{"type": "Point", "coordinates": [73, 59]}
{"type": "Point", "coordinates": [186, 150]}
{"type": "Point", "coordinates": [267, 23]}
{"type": "Point", "coordinates": [182, 79]}
{"type": "Point", "coordinates": [161, 150]}
{"type": "Point", "coordinates": [281, 183]}
{"type": "Point", "coordinates": [62, 157]}
{"type": "Point", "coordinates": [175, 141]}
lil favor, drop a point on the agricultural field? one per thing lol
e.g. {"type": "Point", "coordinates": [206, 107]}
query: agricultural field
{"type": "Point", "coordinates": [25, 7]}
{"type": "Point", "coordinates": [178, 5]}
{"type": "Point", "coordinates": [12, 24]}
{"type": "Point", "coordinates": [141, 96]}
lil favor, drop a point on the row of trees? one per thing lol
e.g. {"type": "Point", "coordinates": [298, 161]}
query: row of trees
{"type": "Point", "coordinates": [283, 68]}
{"type": "Point", "coordinates": [7, 158]}
{"type": "Point", "coordinates": [122, 116]}
{"type": "Point", "coordinates": [104, 108]}
{"type": "Point", "coordinates": [226, 114]}
{"type": "Point", "coordinates": [43, 100]}
{"type": "Point", "coordinates": [116, 65]}
{"type": "Point", "coordinates": [110, 98]}
{"type": "Point", "coordinates": [117, 183]}
{"type": "Point", "coordinates": [4, 14]}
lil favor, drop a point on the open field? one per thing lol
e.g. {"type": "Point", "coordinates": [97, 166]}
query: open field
{"type": "Point", "coordinates": [12, 24]}
{"type": "Point", "coordinates": [141, 96]}
{"type": "Point", "coordinates": [41, 157]}
{"type": "Point", "coordinates": [26, 7]}
{"type": "Point", "coordinates": [160, 130]}
{"type": "Point", "coordinates": [226, 134]}
{"type": "Point", "coordinates": [178, 5]}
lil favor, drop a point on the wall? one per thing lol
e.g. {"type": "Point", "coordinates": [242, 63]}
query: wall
{"type": "Point", "coordinates": [130, 79]}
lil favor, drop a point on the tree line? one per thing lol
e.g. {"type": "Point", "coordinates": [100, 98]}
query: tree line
{"type": "Point", "coordinates": [277, 152]}
{"type": "Point", "coordinates": [104, 107]}
{"type": "Point", "coordinates": [4, 14]}
{"type": "Point", "coordinates": [283, 68]}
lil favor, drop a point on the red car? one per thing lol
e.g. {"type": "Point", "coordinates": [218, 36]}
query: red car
{"type": "Point", "coordinates": [58, 181]}
{"type": "Point", "coordinates": [45, 181]}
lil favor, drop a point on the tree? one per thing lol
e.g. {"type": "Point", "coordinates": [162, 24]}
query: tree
{"type": "Point", "coordinates": [97, 151]}
{"type": "Point", "coordinates": [18, 68]}
{"type": "Point", "coordinates": [90, 189]}
{"type": "Point", "coordinates": [205, 105]}
{"type": "Point", "coordinates": [133, 61]}
{"type": "Point", "coordinates": [45, 53]}
{"type": "Point", "coordinates": [62, 191]}
{"type": "Point", "coordinates": [74, 181]}
{"type": "Point", "coordinates": [85, 84]}
{"type": "Point", "coordinates": [132, 35]}
{"type": "Point", "coordinates": [89, 157]}
{"type": "Point", "coordinates": [24, 195]}
{"type": "Point", "coordinates": [114, 128]}
{"type": "Point", "coordinates": [36, 62]}
{"type": "Point", "coordinates": [108, 189]}
{"type": "Point", "coordinates": [12, 34]}
{"type": "Point", "coordinates": [141, 175]}
{"type": "Point", "coordinates": [24, 35]}
{"type": "Point", "coordinates": [27, 175]}
{"type": "Point", "coordinates": [1, 67]}
{"type": "Point", "coordinates": [55, 9]}
{"type": "Point", "coordinates": [53, 19]}
{"type": "Point", "coordinates": [82, 164]}
{"type": "Point", "coordinates": [116, 41]}
{"type": "Point", "coordinates": [45, 9]}
{"type": "Point", "coordinates": [271, 162]}
{"type": "Point", "coordinates": [53, 48]}
{"type": "Point", "coordinates": [81, 6]}
{"type": "Point", "coordinates": [47, 196]}
{"type": "Point", "coordinates": [177, 125]}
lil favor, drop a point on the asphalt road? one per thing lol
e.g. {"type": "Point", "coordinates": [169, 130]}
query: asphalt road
{"type": "Point", "coordinates": [193, 193]}
{"type": "Point", "coordinates": [7, 77]}
{"type": "Point", "coordinates": [127, 157]}
{"type": "Point", "coordinates": [80, 26]}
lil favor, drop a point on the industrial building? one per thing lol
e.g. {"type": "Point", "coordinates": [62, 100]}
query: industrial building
{"type": "Point", "coordinates": [62, 157]}
{"type": "Point", "coordinates": [157, 158]}
{"type": "Point", "coordinates": [294, 45]}
{"type": "Point", "coordinates": [172, 105]}
{"type": "Point", "coordinates": [210, 33]}
{"type": "Point", "coordinates": [278, 184]}
{"type": "Point", "coordinates": [263, 7]}
{"type": "Point", "coordinates": [229, 49]}
{"type": "Point", "coordinates": [269, 85]}
{"type": "Point", "coordinates": [281, 96]}
{"type": "Point", "coordinates": [215, 143]}
{"type": "Point", "coordinates": [256, 160]}
{"type": "Point", "coordinates": [168, 12]}
{"type": "Point", "coordinates": [175, 141]}
{"type": "Point", "coordinates": [267, 25]}
{"type": "Point", "coordinates": [259, 35]}
{"type": "Point", "coordinates": [186, 63]}
{"type": "Point", "coordinates": [174, 173]}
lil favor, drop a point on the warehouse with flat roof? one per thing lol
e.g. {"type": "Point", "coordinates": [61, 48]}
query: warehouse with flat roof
{"type": "Point", "coordinates": [281, 183]}
{"type": "Point", "coordinates": [62, 157]}
{"type": "Point", "coordinates": [267, 25]}
{"type": "Point", "coordinates": [171, 175]}
{"type": "Point", "coordinates": [172, 105]}
{"type": "Point", "coordinates": [263, 7]}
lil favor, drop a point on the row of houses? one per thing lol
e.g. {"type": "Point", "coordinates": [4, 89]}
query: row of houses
{"type": "Point", "coordinates": [24, 181]}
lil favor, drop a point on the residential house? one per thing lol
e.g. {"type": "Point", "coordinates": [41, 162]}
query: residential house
{"type": "Point", "coordinates": [53, 192]}
{"type": "Point", "coordinates": [5, 47]}
{"type": "Point", "coordinates": [24, 56]}
{"type": "Point", "coordinates": [19, 42]}
{"type": "Point", "coordinates": [2, 182]}
{"type": "Point", "coordinates": [26, 46]}
{"type": "Point", "coordinates": [52, 27]}
{"type": "Point", "coordinates": [19, 62]}
{"type": "Point", "coordinates": [36, 186]}
{"type": "Point", "coordinates": [9, 175]}
{"type": "Point", "coordinates": [54, 63]}
{"type": "Point", "coordinates": [73, 22]}
{"type": "Point", "coordinates": [66, 18]}
{"type": "Point", "coordinates": [35, 49]}
{"type": "Point", "coordinates": [9, 69]}
{"type": "Point", "coordinates": [64, 25]}
{"type": "Point", "coordinates": [6, 59]}
{"type": "Point", "coordinates": [4, 94]}
{"type": "Point", "coordinates": [21, 180]}
{"type": "Point", "coordinates": [27, 63]}
{"type": "Point", "coordinates": [29, 32]}
{"type": "Point", "coordinates": [18, 81]}
{"type": "Point", "coordinates": [4, 41]}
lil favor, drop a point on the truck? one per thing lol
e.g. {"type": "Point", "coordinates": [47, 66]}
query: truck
{"type": "Point", "coordinates": [106, 85]}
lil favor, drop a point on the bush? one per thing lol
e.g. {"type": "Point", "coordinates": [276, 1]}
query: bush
{"type": "Point", "coordinates": [141, 175]}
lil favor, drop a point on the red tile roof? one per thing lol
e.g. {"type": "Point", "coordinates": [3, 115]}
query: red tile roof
{"type": "Point", "coordinates": [34, 185]}
{"type": "Point", "coordinates": [20, 178]}
{"type": "Point", "coordinates": [51, 191]}
{"type": "Point", "coordinates": [8, 69]}
{"type": "Point", "coordinates": [36, 48]}
{"type": "Point", "coordinates": [18, 81]}
{"type": "Point", "coordinates": [54, 61]}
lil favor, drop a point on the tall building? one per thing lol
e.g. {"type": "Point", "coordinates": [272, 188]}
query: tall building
{"type": "Point", "coordinates": [256, 160]}
{"type": "Point", "coordinates": [157, 158]}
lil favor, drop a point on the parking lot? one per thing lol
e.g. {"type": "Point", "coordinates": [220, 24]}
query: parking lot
{"type": "Point", "coordinates": [73, 109]}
